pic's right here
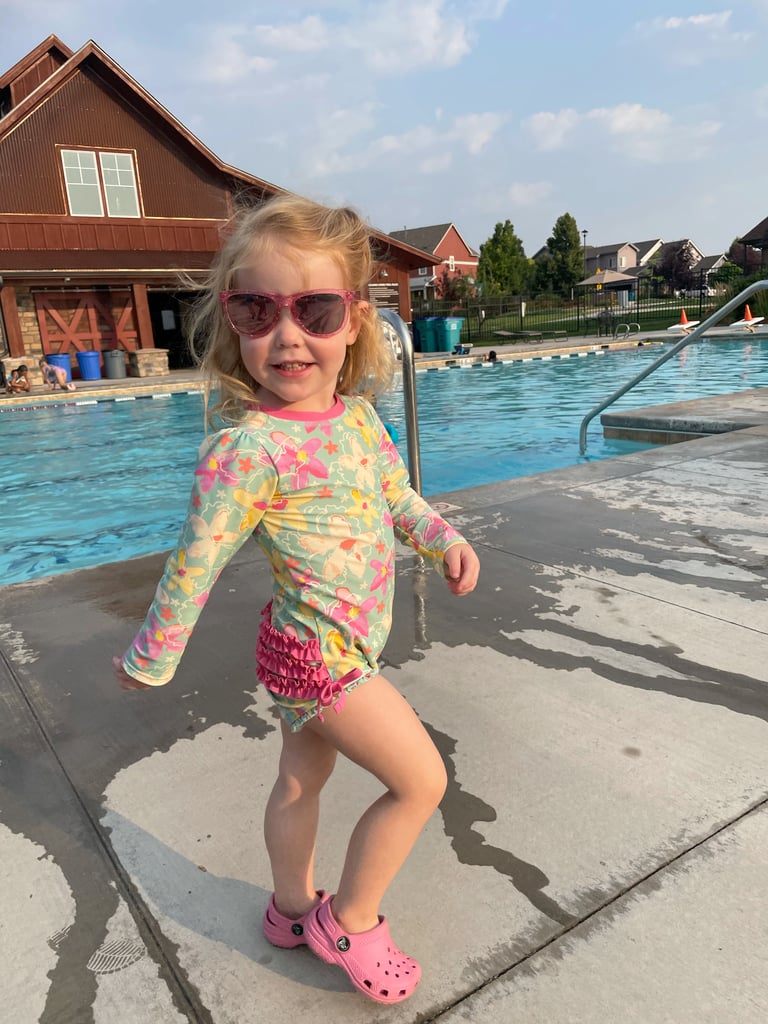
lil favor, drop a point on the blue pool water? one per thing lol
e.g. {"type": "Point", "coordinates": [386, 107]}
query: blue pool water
{"type": "Point", "coordinates": [83, 485]}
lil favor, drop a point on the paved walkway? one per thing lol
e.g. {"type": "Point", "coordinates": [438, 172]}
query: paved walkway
{"type": "Point", "coordinates": [601, 703]}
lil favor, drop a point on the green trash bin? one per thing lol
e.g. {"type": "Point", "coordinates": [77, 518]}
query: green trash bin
{"type": "Point", "coordinates": [424, 331]}
{"type": "Point", "coordinates": [447, 331]}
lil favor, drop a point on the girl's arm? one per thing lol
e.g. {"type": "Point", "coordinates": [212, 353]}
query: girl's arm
{"type": "Point", "coordinates": [233, 484]}
{"type": "Point", "coordinates": [417, 524]}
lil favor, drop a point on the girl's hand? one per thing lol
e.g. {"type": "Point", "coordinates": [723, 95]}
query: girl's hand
{"type": "Point", "coordinates": [462, 567]}
{"type": "Point", "coordinates": [127, 682]}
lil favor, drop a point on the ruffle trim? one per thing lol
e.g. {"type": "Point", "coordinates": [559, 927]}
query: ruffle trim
{"type": "Point", "coordinates": [295, 668]}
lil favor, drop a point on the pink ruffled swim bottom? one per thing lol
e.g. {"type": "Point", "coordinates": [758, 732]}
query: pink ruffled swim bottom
{"type": "Point", "coordinates": [294, 672]}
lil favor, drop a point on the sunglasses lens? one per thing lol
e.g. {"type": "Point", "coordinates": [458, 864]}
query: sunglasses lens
{"type": "Point", "coordinates": [321, 314]}
{"type": "Point", "coordinates": [250, 313]}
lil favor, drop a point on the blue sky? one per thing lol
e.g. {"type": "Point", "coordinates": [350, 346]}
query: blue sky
{"type": "Point", "coordinates": [642, 120]}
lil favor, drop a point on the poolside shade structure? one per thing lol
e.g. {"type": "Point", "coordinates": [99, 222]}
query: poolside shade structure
{"type": "Point", "coordinates": [607, 277]}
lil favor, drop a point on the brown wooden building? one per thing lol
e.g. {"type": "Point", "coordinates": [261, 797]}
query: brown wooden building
{"type": "Point", "coordinates": [106, 203]}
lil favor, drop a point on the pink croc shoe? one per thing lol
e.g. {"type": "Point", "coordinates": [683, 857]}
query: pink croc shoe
{"type": "Point", "coordinates": [287, 932]}
{"type": "Point", "coordinates": [374, 964]}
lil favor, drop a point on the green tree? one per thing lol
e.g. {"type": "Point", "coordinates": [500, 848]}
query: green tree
{"type": "Point", "coordinates": [503, 268]}
{"type": "Point", "coordinates": [566, 255]}
{"type": "Point", "coordinates": [677, 263]}
{"type": "Point", "coordinates": [454, 288]}
{"type": "Point", "coordinates": [729, 275]}
{"type": "Point", "coordinates": [543, 282]}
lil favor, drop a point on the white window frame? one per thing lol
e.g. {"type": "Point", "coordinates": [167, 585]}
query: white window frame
{"type": "Point", "coordinates": [119, 183]}
{"type": "Point", "coordinates": [103, 186]}
{"type": "Point", "coordinates": [451, 262]}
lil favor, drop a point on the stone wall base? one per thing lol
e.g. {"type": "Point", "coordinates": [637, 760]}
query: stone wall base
{"type": "Point", "coordinates": [148, 362]}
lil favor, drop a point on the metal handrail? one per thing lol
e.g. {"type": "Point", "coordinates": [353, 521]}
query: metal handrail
{"type": "Point", "coordinates": [397, 323]}
{"type": "Point", "coordinates": [695, 334]}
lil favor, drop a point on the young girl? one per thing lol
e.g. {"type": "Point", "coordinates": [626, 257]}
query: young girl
{"type": "Point", "coordinates": [55, 376]}
{"type": "Point", "coordinates": [305, 465]}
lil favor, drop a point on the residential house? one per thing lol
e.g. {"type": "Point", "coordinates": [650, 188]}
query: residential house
{"type": "Point", "coordinates": [701, 274]}
{"type": "Point", "coordinates": [621, 256]}
{"type": "Point", "coordinates": [444, 241]}
{"type": "Point", "coordinates": [647, 250]}
{"type": "Point", "coordinates": [111, 211]}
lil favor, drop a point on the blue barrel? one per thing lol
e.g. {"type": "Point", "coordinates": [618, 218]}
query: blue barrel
{"type": "Point", "coordinates": [90, 365]}
{"type": "Point", "coordinates": [62, 361]}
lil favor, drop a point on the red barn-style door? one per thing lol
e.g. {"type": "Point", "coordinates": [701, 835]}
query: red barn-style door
{"type": "Point", "coordinates": [81, 321]}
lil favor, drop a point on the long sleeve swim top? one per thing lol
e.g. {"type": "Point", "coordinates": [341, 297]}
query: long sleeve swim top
{"type": "Point", "coordinates": [324, 495]}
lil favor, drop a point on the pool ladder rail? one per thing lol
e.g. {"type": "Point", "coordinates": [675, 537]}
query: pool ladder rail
{"type": "Point", "coordinates": [695, 335]}
{"type": "Point", "coordinates": [397, 324]}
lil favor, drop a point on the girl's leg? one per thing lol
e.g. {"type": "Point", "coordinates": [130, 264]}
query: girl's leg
{"type": "Point", "coordinates": [290, 820]}
{"type": "Point", "coordinates": [378, 730]}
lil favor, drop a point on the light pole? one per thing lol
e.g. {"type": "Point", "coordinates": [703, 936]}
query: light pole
{"type": "Point", "coordinates": [584, 234]}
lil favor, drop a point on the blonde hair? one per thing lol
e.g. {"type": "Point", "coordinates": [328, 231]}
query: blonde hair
{"type": "Point", "coordinates": [301, 226]}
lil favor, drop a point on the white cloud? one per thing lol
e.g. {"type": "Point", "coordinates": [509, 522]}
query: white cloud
{"type": "Point", "coordinates": [429, 147]}
{"type": "Point", "coordinates": [706, 21]}
{"type": "Point", "coordinates": [475, 131]}
{"type": "Point", "coordinates": [403, 36]}
{"type": "Point", "coordinates": [300, 37]}
{"type": "Point", "coordinates": [696, 38]}
{"type": "Point", "coordinates": [552, 130]}
{"type": "Point", "coordinates": [391, 39]}
{"type": "Point", "coordinates": [228, 59]}
{"type": "Point", "coordinates": [637, 132]}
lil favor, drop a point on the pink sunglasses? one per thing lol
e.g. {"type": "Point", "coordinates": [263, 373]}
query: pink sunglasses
{"type": "Point", "coordinates": [320, 313]}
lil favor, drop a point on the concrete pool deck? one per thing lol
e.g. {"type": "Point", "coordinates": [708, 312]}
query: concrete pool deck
{"type": "Point", "coordinates": [601, 703]}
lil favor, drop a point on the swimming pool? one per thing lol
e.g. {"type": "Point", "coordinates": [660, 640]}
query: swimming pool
{"type": "Point", "coordinates": [82, 485]}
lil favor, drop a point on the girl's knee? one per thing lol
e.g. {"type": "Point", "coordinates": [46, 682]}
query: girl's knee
{"type": "Point", "coordinates": [303, 771]}
{"type": "Point", "coordinates": [428, 782]}
{"type": "Point", "coordinates": [436, 782]}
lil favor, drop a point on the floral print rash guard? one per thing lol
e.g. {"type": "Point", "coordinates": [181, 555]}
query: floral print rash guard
{"type": "Point", "coordinates": [324, 494]}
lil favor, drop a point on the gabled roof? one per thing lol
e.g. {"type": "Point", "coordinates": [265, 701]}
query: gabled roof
{"type": "Point", "coordinates": [52, 47]}
{"type": "Point", "coordinates": [758, 235]}
{"type": "Point", "coordinates": [665, 248]}
{"type": "Point", "coordinates": [429, 238]}
{"type": "Point", "coordinates": [92, 58]}
{"type": "Point", "coordinates": [645, 249]}
{"type": "Point", "coordinates": [704, 266]}
{"type": "Point", "coordinates": [603, 250]}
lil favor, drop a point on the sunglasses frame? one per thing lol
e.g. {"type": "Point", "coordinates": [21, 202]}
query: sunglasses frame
{"type": "Point", "coordinates": [289, 301]}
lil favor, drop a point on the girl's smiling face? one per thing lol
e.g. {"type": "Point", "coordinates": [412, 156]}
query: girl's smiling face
{"type": "Point", "coordinates": [293, 369]}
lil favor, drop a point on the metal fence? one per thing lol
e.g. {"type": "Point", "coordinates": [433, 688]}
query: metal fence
{"type": "Point", "coordinates": [647, 305]}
